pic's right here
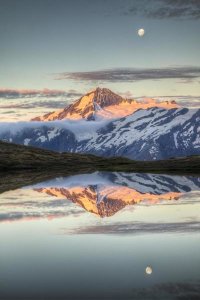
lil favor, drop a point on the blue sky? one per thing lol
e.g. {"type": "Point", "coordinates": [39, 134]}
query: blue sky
{"type": "Point", "coordinates": [42, 40]}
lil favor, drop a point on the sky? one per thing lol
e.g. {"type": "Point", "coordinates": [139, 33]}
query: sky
{"type": "Point", "coordinates": [51, 52]}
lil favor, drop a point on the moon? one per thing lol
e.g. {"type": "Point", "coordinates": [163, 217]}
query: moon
{"type": "Point", "coordinates": [141, 32]}
{"type": "Point", "coordinates": [148, 270]}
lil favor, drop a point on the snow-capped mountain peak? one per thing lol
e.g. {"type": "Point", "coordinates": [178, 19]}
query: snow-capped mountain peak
{"type": "Point", "coordinates": [102, 103]}
{"type": "Point", "coordinates": [147, 134]}
{"type": "Point", "coordinates": [141, 130]}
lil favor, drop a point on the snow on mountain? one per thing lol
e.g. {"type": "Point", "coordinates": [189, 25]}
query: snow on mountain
{"type": "Point", "coordinates": [103, 104]}
{"type": "Point", "coordinates": [105, 201]}
{"type": "Point", "coordinates": [100, 193]}
{"type": "Point", "coordinates": [104, 194]}
{"type": "Point", "coordinates": [147, 134]}
{"type": "Point", "coordinates": [105, 124]}
{"type": "Point", "coordinates": [143, 183]}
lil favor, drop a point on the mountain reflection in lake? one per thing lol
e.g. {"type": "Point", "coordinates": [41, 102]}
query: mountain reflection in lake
{"type": "Point", "coordinates": [114, 227]}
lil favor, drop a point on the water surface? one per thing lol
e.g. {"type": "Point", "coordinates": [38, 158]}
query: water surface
{"type": "Point", "coordinates": [101, 236]}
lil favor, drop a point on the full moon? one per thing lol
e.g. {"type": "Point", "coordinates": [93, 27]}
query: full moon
{"type": "Point", "coordinates": [148, 270]}
{"type": "Point", "coordinates": [141, 32]}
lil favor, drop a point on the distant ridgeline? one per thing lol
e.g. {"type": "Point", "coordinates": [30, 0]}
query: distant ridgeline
{"type": "Point", "coordinates": [105, 124]}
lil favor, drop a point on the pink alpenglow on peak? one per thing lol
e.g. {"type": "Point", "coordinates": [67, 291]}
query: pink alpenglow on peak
{"type": "Point", "coordinates": [105, 201]}
{"type": "Point", "coordinates": [101, 104]}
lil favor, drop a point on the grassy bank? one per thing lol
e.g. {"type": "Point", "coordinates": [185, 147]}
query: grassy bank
{"type": "Point", "coordinates": [17, 157]}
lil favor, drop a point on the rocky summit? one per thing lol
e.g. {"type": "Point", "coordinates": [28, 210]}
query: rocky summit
{"type": "Point", "coordinates": [102, 103]}
{"type": "Point", "coordinates": [104, 124]}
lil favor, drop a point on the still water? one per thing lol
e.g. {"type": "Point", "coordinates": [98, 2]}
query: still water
{"type": "Point", "coordinates": [102, 236]}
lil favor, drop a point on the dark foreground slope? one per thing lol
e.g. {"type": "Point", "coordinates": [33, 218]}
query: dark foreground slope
{"type": "Point", "coordinates": [147, 134]}
{"type": "Point", "coordinates": [17, 157]}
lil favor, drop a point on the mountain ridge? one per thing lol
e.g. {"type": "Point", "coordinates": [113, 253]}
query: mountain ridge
{"type": "Point", "coordinates": [105, 201]}
{"type": "Point", "coordinates": [101, 193]}
{"type": "Point", "coordinates": [147, 134]}
{"type": "Point", "coordinates": [105, 124]}
{"type": "Point", "coordinates": [102, 103]}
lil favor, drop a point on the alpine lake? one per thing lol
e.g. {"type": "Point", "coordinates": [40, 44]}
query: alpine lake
{"type": "Point", "coordinates": [101, 236]}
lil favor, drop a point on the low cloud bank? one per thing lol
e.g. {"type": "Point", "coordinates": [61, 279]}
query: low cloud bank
{"type": "Point", "coordinates": [79, 127]}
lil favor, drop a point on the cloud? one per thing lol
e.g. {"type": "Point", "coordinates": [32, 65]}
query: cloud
{"type": "Point", "coordinates": [133, 74]}
{"type": "Point", "coordinates": [59, 103]}
{"type": "Point", "coordinates": [183, 100]}
{"type": "Point", "coordinates": [23, 104]}
{"type": "Point", "coordinates": [137, 228]}
{"type": "Point", "coordinates": [19, 208]}
{"type": "Point", "coordinates": [78, 127]}
{"type": "Point", "coordinates": [25, 93]}
{"type": "Point", "coordinates": [181, 290]}
{"type": "Point", "coordinates": [165, 9]}
{"type": "Point", "coordinates": [33, 215]}
{"type": "Point", "coordinates": [84, 180]}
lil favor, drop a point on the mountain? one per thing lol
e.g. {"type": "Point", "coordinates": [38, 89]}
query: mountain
{"type": "Point", "coordinates": [150, 134]}
{"type": "Point", "coordinates": [103, 123]}
{"type": "Point", "coordinates": [102, 104]}
{"type": "Point", "coordinates": [51, 137]}
{"type": "Point", "coordinates": [105, 201]}
{"type": "Point", "coordinates": [147, 134]}
{"type": "Point", "coordinates": [101, 193]}
{"type": "Point", "coordinates": [17, 157]}
{"type": "Point", "coordinates": [107, 193]}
